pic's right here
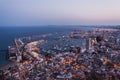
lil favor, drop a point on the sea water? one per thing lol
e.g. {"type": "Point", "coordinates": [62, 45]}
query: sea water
{"type": "Point", "coordinates": [8, 34]}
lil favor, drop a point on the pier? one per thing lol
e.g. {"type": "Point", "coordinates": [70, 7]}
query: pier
{"type": "Point", "coordinates": [19, 44]}
{"type": "Point", "coordinates": [3, 51]}
{"type": "Point", "coordinates": [15, 51]}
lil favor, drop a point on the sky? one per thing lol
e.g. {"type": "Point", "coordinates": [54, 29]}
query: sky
{"type": "Point", "coordinates": [59, 12]}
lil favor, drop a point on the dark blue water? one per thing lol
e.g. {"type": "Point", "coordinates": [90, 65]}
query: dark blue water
{"type": "Point", "coordinates": [7, 35]}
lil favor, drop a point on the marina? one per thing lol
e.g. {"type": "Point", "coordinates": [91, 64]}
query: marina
{"type": "Point", "coordinates": [58, 59]}
{"type": "Point", "coordinates": [59, 39]}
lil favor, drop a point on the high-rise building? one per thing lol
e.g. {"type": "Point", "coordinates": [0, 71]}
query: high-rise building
{"type": "Point", "coordinates": [88, 43]}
